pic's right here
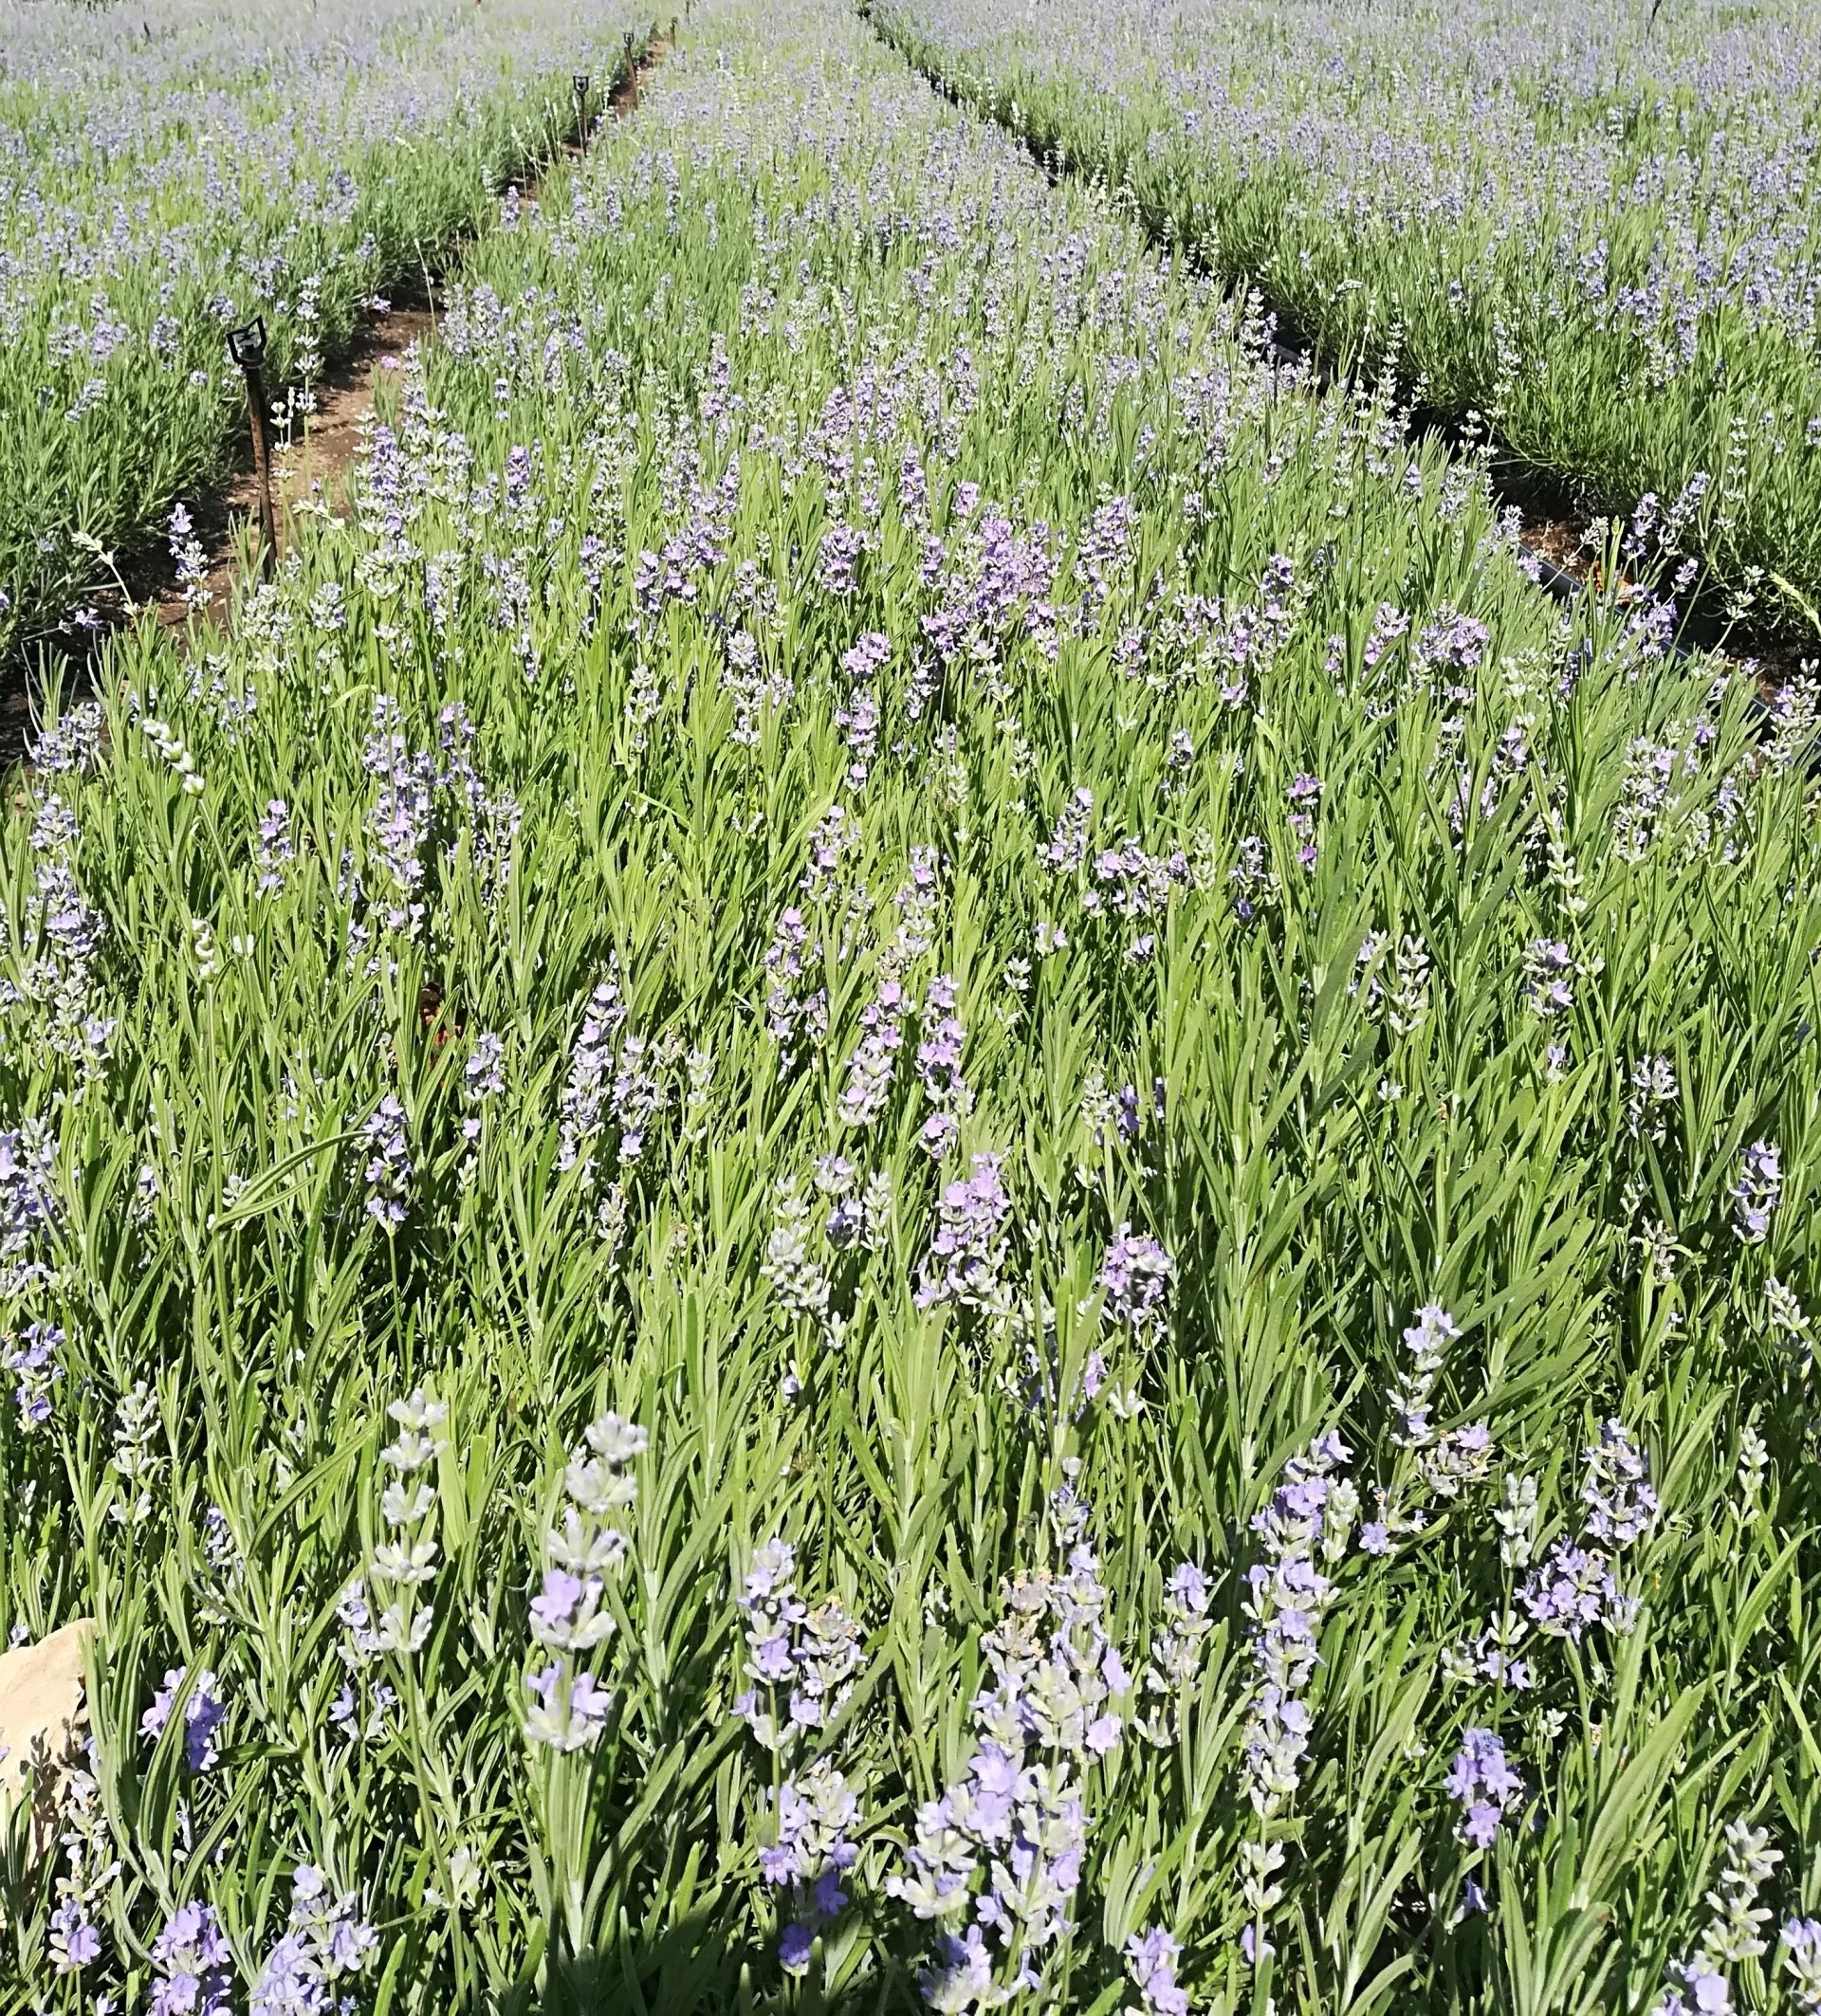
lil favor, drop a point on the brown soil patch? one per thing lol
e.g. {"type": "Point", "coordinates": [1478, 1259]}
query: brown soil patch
{"type": "Point", "coordinates": [330, 439]}
{"type": "Point", "coordinates": [315, 463]}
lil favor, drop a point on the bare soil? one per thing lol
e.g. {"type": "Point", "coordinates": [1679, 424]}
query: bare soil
{"type": "Point", "coordinates": [314, 466]}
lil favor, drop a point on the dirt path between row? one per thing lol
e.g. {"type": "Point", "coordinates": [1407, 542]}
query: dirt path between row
{"type": "Point", "coordinates": [345, 398]}
{"type": "Point", "coordinates": [315, 464]}
{"type": "Point", "coordinates": [1553, 523]}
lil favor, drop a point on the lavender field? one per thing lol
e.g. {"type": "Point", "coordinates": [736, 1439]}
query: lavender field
{"type": "Point", "coordinates": [899, 1155]}
{"type": "Point", "coordinates": [1590, 232]}
{"type": "Point", "coordinates": [168, 170]}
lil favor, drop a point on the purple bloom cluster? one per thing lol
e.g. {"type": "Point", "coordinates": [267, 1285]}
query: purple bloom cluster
{"type": "Point", "coordinates": [388, 1169]}
{"type": "Point", "coordinates": [1177, 1652]}
{"type": "Point", "coordinates": [1757, 1191]}
{"type": "Point", "coordinates": [571, 1705]}
{"type": "Point", "coordinates": [1426, 1340]}
{"type": "Point", "coordinates": [796, 1012]}
{"type": "Point", "coordinates": [1483, 1785]}
{"type": "Point", "coordinates": [1151, 1960]}
{"type": "Point", "coordinates": [870, 1068]}
{"type": "Point", "coordinates": [193, 1965]}
{"type": "Point", "coordinates": [1015, 1823]}
{"type": "Point", "coordinates": [811, 1850]}
{"type": "Point", "coordinates": [203, 1714]}
{"type": "Point", "coordinates": [939, 1055]}
{"type": "Point", "coordinates": [403, 811]}
{"type": "Point", "coordinates": [325, 1945]}
{"type": "Point", "coordinates": [418, 794]}
{"type": "Point", "coordinates": [1621, 1506]}
{"type": "Point", "coordinates": [275, 848]}
{"type": "Point", "coordinates": [858, 720]}
{"type": "Point", "coordinates": [1574, 1588]}
{"type": "Point", "coordinates": [990, 584]}
{"type": "Point", "coordinates": [187, 552]}
{"type": "Point", "coordinates": [405, 1562]}
{"type": "Point", "coordinates": [91, 1867]}
{"type": "Point", "coordinates": [1548, 973]}
{"type": "Point", "coordinates": [968, 1249]}
{"type": "Point", "coordinates": [1068, 845]}
{"type": "Point", "coordinates": [483, 1076]}
{"type": "Point", "coordinates": [1255, 880]}
{"type": "Point", "coordinates": [1304, 796]}
{"type": "Point", "coordinates": [59, 936]}
{"type": "Point", "coordinates": [75, 1940]}
{"type": "Point", "coordinates": [581, 1106]}
{"type": "Point", "coordinates": [1303, 1529]}
{"type": "Point", "coordinates": [71, 744]}
{"type": "Point", "coordinates": [1135, 1276]}
{"type": "Point", "coordinates": [34, 1361]}
{"type": "Point", "coordinates": [1576, 1585]}
{"type": "Point", "coordinates": [798, 1281]}
{"type": "Point", "coordinates": [1734, 1932]}
{"type": "Point", "coordinates": [1800, 1939]}
{"type": "Point", "coordinates": [1131, 882]}
{"type": "Point", "coordinates": [801, 1661]}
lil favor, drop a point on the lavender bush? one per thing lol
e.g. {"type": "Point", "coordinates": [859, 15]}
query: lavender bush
{"type": "Point", "coordinates": [169, 171]}
{"type": "Point", "coordinates": [1589, 230]}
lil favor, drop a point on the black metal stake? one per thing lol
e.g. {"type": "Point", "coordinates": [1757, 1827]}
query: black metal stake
{"type": "Point", "coordinates": [247, 346]}
{"type": "Point", "coordinates": [580, 81]}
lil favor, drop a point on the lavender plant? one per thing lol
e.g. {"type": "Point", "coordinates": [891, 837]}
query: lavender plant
{"type": "Point", "coordinates": [187, 169]}
{"type": "Point", "coordinates": [1589, 230]}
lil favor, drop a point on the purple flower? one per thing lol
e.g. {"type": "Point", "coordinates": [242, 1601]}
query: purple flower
{"type": "Point", "coordinates": [28, 1207]}
{"type": "Point", "coordinates": [815, 1819]}
{"type": "Point", "coordinates": [275, 848]}
{"type": "Point", "coordinates": [571, 1712]}
{"type": "Point", "coordinates": [1757, 1191]}
{"type": "Point", "coordinates": [1621, 1506]}
{"type": "Point", "coordinates": [968, 1248]}
{"type": "Point", "coordinates": [484, 1072]}
{"type": "Point", "coordinates": [1573, 1588]}
{"type": "Point", "coordinates": [1483, 1785]}
{"type": "Point", "coordinates": [1801, 1942]}
{"type": "Point", "coordinates": [1136, 1276]}
{"type": "Point", "coordinates": [1151, 1960]}
{"type": "Point", "coordinates": [1310, 1515]}
{"type": "Point", "coordinates": [388, 1170]}
{"type": "Point", "coordinates": [193, 1965]}
{"type": "Point", "coordinates": [73, 1941]}
{"type": "Point", "coordinates": [203, 1714]}
{"type": "Point", "coordinates": [939, 1136]}
{"type": "Point", "coordinates": [35, 1364]}
{"type": "Point", "coordinates": [325, 1942]}
{"type": "Point", "coordinates": [813, 1653]}
{"type": "Point", "coordinates": [1549, 971]}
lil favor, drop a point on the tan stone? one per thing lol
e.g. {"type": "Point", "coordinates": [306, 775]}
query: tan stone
{"type": "Point", "coordinates": [43, 1725]}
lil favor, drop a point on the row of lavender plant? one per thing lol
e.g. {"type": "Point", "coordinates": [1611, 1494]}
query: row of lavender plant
{"type": "Point", "coordinates": [1591, 230]}
{"type": "Point", "coordinates": [906, 1159]}
{"type": "Point", "coordinates": [168, 171]}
